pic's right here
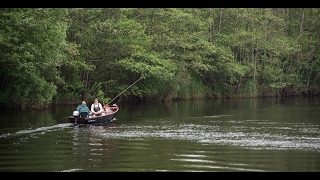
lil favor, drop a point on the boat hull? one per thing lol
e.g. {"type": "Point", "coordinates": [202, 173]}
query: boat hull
{"type": "Point", "coordinates": [99, 120]}
{"type": "Point", "coordinates": [93, 120]}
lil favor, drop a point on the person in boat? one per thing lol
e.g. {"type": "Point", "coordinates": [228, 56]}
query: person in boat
{"type": "Point", "coordinates": [83, 109]}
{"type": "Point", "coordinates": [107, 110]}
{"type": "Point", "coordinates": [96, 108]}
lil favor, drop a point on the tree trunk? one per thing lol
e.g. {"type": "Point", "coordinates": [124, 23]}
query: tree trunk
{"type": "Point", "coordinates": [211, 26]}
{"type": "Point", "coordinates": [302, 19]}
{"type": "Point", "coordinates": [220, 19]}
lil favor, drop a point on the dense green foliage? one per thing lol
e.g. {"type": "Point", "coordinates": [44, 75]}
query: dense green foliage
{"type": "Point", "coordinates": [66, 55]}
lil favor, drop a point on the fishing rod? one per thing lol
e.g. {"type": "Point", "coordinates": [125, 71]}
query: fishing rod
{"type": "Point", "coordinates": [64, 118]}
{"type": "Point", "coordinates": [124, 90]}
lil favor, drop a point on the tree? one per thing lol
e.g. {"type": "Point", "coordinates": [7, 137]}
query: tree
{"type": "Point", "coordinates": [32, 46]}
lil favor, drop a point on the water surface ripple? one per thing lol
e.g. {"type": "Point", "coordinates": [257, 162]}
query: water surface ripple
{"type": "Point", "coordinates": [248, 135]}
{"type": "Point", "coordinates": [251, 134]}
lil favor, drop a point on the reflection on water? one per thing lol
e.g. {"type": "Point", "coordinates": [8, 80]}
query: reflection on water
{"type": "Point", "coordinates": [233, 135]}
{"type": "Point", "coordinates": [247, 134]}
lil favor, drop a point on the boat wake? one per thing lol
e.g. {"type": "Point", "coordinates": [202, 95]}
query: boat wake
{"type": "Point", "coordinates": [71, 170]}
{"type": "Point", "coordinates": [247, 134]}
{"type": "Point", "coordinates": [30, 131]}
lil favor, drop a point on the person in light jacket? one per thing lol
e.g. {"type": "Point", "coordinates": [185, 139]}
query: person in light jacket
{"type": "Point", "coordinates": [96, 108]}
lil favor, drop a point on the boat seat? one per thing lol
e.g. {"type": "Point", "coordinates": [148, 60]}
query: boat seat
{"type": "Point", "coordinates": [84, 114]}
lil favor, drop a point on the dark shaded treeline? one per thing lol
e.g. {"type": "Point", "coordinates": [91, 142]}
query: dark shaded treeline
{"type": "Point", "coordinates": [65, 55]}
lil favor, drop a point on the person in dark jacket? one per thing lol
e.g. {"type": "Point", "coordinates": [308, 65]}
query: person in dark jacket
{"type": "Point", "coordinates": [83, 108]}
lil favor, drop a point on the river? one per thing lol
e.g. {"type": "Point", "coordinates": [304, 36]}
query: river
{"type": "Point", "coordinates": [226, 135]}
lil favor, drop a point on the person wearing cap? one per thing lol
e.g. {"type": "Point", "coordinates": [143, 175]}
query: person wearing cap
{"type": "Point", "coordinates": [96, 108]}
{"type": "Point", "coordinates": [83, 108]}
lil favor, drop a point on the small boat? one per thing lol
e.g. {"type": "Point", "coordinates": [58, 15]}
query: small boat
{"type": "Point", "coordinates": [107, 117]}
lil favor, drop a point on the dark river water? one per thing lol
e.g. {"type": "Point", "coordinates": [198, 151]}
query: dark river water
{"type": "Point", "coordinates": [254, 135]}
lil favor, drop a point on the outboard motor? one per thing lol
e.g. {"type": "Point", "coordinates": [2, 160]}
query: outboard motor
{"type": "Point", "coordinates": [75, 115]}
